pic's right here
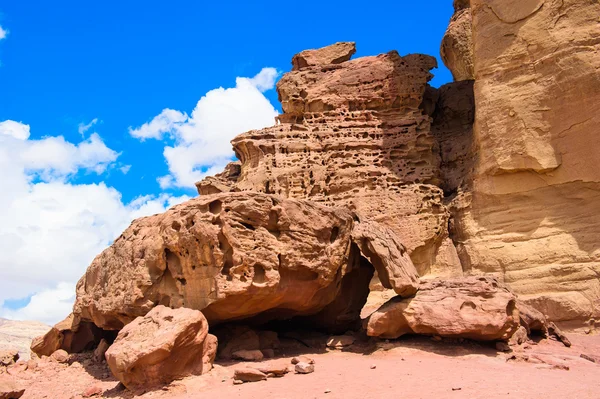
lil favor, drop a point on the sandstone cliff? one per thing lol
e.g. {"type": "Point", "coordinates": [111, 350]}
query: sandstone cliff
{"type": "Point", "coordinates": [531, 211]}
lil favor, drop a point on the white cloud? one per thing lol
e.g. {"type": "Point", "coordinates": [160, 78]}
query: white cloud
{"type": "Point", "coordinates": [3, 33]}
{"type": "Point", "coordinates": [82, 128]}
{"type": "Point", "coordinates": [202, 140]}
{"type": "Point", "coordinates": [52, 228]}
{"type": "Point", "coordinates": [15, 129]}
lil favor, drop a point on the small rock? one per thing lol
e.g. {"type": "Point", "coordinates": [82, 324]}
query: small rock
{"type": "Point", "coordinates": [456, 389]}
{"type": "Point", "coordinates": [340, 341]}
{"type": "Point", "coordinates": [502, 346]}
{"type": "Point", "coordinates": [436, 338]}
{"type": "Point", "coordinates": [591, 358]}
{"type": "Point", "coordinates": [302, 359]}
{"type": "Point", "coordinates": [60, 356]}
{"type": "Point", "coordinates": [248, 355]}
{"type": "Point", "coordinates": [304, 368]}
{"type": "Point", "coordinates": [100, 351]}
{"type": "Point", "coordinates": [15, 369]}
{"type": "Point", "coordinates": [8, 357]}
{"type": "Point", "coordinates": [373, 367]}
{"type": "Point", "coordinates": [248, 375]}
{"type": "Point", "coordinates": [327, 390]}
{"type": "Point", "coordinates": [92, 390]}
{"type": "Point", "coordinates": [10, 390]}
{"type": "Point", "coordinates": [557, 332]}
{"type": "Point", "coordinates": [519, 337]}
{"type": "Point", "coordinates": [237, 382]}
{"type": "Point", "coordinates": [278, 369]}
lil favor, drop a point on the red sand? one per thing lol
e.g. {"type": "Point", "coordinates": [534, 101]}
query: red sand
{"type": "Point", "coordinates": [409, 368]}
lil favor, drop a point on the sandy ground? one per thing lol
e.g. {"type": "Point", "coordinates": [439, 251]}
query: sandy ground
{"type": "Point", "coordinates": [416, 367]}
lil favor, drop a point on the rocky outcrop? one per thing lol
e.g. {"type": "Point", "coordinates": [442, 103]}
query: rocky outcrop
{"type": "Point", "coordinates": [357, 134]}
{"type": "Point", "coordinates": [72, 335]}
{"type": "Point", "coordinates": [233, 256]}
{"type": "Point", "coordinates": [532, 215]}
{"type": "Point", "coordinates": [457, 44]}
{"type": "Point", "coordinates": [334, 54]}
{"type": "Point", "coordinates": [477, 308]}
{"type": "Point", "coordinates": [164, 345]}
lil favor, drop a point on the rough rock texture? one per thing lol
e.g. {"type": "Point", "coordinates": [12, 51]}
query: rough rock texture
{"type": "Point", "coordinates": [9, 389]}
{"type": "Point", "coordinates": [356, 134]}
{"type": "Point", "coordinates": [457, 44]}
{"type": "Point", "coordinates": [231, 255]}
{"type": "Point", "coordinates": [163, 345]}
{"type": "Point", "coordinates": [8, 357]}
{"type": "Point", "coordinates": [478, 308]}
{"type": "Point", "coordinates": [532, 216]}
{"type": "Point", "coordinates": [234, 338]}
{"type": "Point", "coordinates": [72, 335]}
{"type": "Point", "coordinates": [334, 54]}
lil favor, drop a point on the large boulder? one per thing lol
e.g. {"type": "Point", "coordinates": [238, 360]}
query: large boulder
{"type": "Point", "coordinates": [231, 255]}
{"type": "Point", "coordinates": [478, 308]}
{"type": "Point", "coordinates": [164, 345]}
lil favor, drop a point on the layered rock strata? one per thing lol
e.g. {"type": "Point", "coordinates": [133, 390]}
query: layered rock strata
{"type": "Point", "coordinates": [532, 214]}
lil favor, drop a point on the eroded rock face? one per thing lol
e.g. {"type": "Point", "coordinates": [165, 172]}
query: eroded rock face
{"type": "Point", "coordinates": [477, 308]}
{"type": "Point", "coordinates": [457, 44]}
{"type": "Point", "coordinates": [231, 255]}
{"type": "Point", "coordinates": [163, 345]}
{"type": "Point", "coordinates": [334, 54]}
{"type": "Point", "coordinates": [356, 134]}
{"type": "Point", "coordinates": [532, 216]}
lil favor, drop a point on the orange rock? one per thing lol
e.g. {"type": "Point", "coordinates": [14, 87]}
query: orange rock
{"type": "Point", "coordinates": [157, 348]}
{"type": "Point", "coordinates": [477, 308]}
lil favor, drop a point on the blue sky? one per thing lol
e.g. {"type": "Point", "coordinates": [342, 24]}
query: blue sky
{"type": "Point", "coordinates": [67, 63]}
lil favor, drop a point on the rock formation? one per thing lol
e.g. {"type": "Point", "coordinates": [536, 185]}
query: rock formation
{"type": "Point", "coordinates": [477, 308]}
{"type": "Point", "coordinates": [370, 170]}
{"type": "Point", "coordinates": [235, 256]}
{"type": "Point", "coordinates": [161, 346]}
{"type": "Point", "coordinates": [532, 213]}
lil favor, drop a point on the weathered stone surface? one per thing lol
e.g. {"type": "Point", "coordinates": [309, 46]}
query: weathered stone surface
{"type": "Point", "coordinates": [333, 54]}
{"type": "Point", "coordinates": [164, 345]}
{"type": "Point", "coordinates": [231, 255]}
{"type": "Point", "coordinates": [457, 45]}
{"type": "Point", "coordinates": [100, 351]}
{"type": "Point", "coordinates": [8, 357]}
{"type": "Point", "coordinates": [477, 308]}
{"type": "Point", "coordinates": [304, 368]}
{"type": "Point", "coordinates": [248, 374]}
{"type": "Point", "coordinates": [10, 389]}
{"type": "Point", "coordinates": [60, 356]}
{"type": "Point", "coordinates": [72, 335]}
{"type": "Point", "coordinates": [533, 214]}
{"type": "Point", "coordinates": [248, 355]}
{"type": "Point", "coordinates": [389, 257]}
{"type": "Point", "coordinates": [358, 135]}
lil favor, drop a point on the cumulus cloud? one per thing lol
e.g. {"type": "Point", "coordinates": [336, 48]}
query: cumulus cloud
{"type": "Point", "coordinates": [3, 33]}
{"type": "Point", "coordinates": [201, 141]}
{"type": "Point", "coordinates": [51, 227]}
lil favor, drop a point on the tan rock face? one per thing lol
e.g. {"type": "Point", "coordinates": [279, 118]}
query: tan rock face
{"type": "Point", "coordinates": [357, 134]}
{"type": "Point", "coordinates": [457, 45]}
{"type": "Point", "coordinates": [232, 255]}
{"type": "Point", "coordinates": [18, 335]}
{"type": "Point", "coordinates": [163, 345]}
{"type": "Point", "coordinates": [532, 216]}
{"type": "Point", "coordinates": [334, 54]}
{"type": "Point", "coordinates": [478, 308]}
